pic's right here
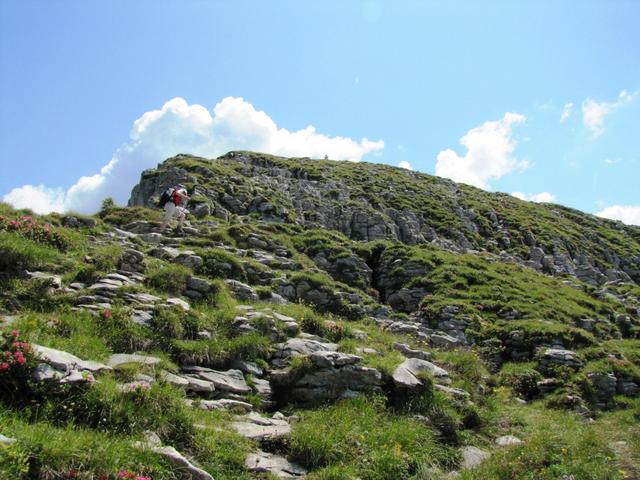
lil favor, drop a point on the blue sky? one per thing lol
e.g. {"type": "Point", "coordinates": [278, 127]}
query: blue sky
{"type": "Point", "coordinates": [413, 78]}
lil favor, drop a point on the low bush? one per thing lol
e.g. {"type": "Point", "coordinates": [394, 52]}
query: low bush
{"type": "Point", "coordinates": [168, 277]}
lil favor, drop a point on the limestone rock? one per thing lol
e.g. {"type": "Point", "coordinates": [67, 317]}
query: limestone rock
{"type": "Point", "coordinates": [507, 441]}
{"type": "Point", "coordinates": [473, 456]}
{"type": "Point", "coordinates": [119, 359]}
{"type": "Point", "coordinates": [230, 381]}
{"type": "Point", "coordinates": [280, 467]}
{"type": "Point", "coordinates": [182, 462]}
{"type": "Point", "coordinates": [406, 374]}
{"type": "Point", "coordinates": [256, 427]}
{"type": "Point", "coordinates": [65, 361]}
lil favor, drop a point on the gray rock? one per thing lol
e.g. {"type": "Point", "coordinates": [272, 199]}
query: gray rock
{"type": "Point", "coordinates": [178, 301]}
{"type": "Point", "coordinates": [202, 210]}
{"type": "Point", "coordinates": [280, 467]}
{"type": "Point", "coordinates": [6, 440]}
{"type": "Point", "coordinates": [201, 285]}
{"type": "Point", "coordinates": [558, 356]}
{"type": "Point", "coordinates": [473, 456]}
{"type": "Point", "coordinates": [406, 374]}
{"type": "Point", "coordinates": [247, 367]}
{"type": "Point", "coordinates": [300, 346]}
{"type": "Point", "coordinates": [604, 384]}
{"type": "Point", "coordinates": [226, 404]}
{"type": "Point", "coordinates": [175, 457]}
{"type": "Point", "coordinates": [409, 352]}
{"type": "Point", "coordinates": [119, 359]}
{"type": "Point", "coordinates": [327, 359]}
{"type": "Point", "coordinates": [230, 381]}
{"type": "Point", "coordinates": [241, 291]}
{"type": "Point", "coordinates": [508, 440]}
{"type": "Point", "coordinates": [456, 393]}
{"type": "Point", "coordinates": [152, 237]}
{"type": "Point", "coordinates": [256, 427]}
{"type": "Point", "coordinates": [46, 373]}
{"type": "Point", "coordinates": [444, 341]}
{"type": "Point", "coordinates": [65, 361]}
{"type": "Point", "coordinates": [54, 280]}
{"type": "Point", "coordinates": [173, 379]}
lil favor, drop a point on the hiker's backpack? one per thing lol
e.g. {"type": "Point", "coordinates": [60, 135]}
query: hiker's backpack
{"type": "Point", "coordinates": [165, 197]}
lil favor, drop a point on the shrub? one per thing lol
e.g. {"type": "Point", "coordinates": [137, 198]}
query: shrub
{"type": "Point", "coordinates": [27, 227]}
{"type": "Point", "coordinates": [522, 377]}
{"type": "Point", "coordinates": [168, 277]}
{"type": "Point", "coordinates": [16, 364]}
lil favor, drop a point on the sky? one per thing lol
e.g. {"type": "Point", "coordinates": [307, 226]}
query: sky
{"type": "Point", "coordinates": [539, 99]}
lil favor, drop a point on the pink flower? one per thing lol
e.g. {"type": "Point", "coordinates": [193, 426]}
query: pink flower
{"type": "Point", "coordinates": [22, 360]}
{"type": "Point", "coordinates": [15, 333]}
{"type": "Point", "coordinates": [107, 314]}
{"type": "Point", "coordinates": [4, 366]}
{"type": "Point", "coordinates": [126, 474]}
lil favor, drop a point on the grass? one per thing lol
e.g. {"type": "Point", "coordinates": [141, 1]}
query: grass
{"type": "Point", "coordinates": [18, 253]}
{"type": "Point", "coordinates": [556, 444]}
{"type": "Point", "coordinates": [359, 434]}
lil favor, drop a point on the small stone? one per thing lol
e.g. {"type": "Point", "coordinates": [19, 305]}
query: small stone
{"type": "Point", "coordinates": [6, 440]}
{"type": "Point", "coordinates": [178, 301]}
{"type": "Point", "coordinates": [508, 440]}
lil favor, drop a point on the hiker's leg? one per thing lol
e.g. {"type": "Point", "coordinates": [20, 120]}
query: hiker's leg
{"type": "Point", "coordinates": [169, 210]}
{"type": "Point", "coordinates": [181, 214]}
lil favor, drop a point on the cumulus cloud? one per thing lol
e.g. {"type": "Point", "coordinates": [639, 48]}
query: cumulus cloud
{"type": "Point", "coordinates": [234, 124]}
{"type": "Point", "coordinates": [405, 164]}
{"type": "Point", "coordinates": [629, 214]}
{"type": "Point", "coordinates": [489, 153]}
{"type": "Point", "coordinates": [594, 113]}
{"type": "Point", "coordinates": [542, 197]}
{"type": "Point", "coordinates": [566, 112]}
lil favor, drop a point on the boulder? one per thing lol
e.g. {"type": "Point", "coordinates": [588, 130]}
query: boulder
{"type": "Point", "coordinates": [473, 456]}
{"type": "Point", "coordinates": [557, 356]}
{"type": "Point", "coordinates": [406, 374]}
{"type": "Point", "coordinates": [230, 381]}
{"type": "Point", "coordinates": [65, 361]}
{"type": "Point", "coordinates": [241, 291]}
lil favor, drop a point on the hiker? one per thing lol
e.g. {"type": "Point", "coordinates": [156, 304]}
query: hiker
{"type": "Point", "coordinates": [173, 201]}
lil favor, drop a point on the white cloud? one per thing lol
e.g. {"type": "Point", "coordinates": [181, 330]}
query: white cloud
{"type": "Point", "coordinates": [593, 113]}
{"type": "Point", "coordinates": [542, 197]}
{"type": "Point", "coordinates": [179, 127]}
{"type": "Point", "coordinates": [566, 112]}
{"type": "Point", "coordinates": [405, 164]}
{"type": "Point", "coordinates": [40, 199]}
{"type": "Point", "coordinates": [629, 214]}
{"type": "Point", "coordinates": [489, 154]}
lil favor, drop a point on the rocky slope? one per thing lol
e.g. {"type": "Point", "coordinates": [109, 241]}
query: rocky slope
{"type": "Point", "coordinates": [372, 202]}
{"type": "Point", "coordinates": [312, 323]}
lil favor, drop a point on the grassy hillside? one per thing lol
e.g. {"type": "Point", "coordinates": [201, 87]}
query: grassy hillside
{"type": "Point", "coordinates": [226, 303]}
